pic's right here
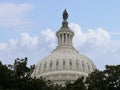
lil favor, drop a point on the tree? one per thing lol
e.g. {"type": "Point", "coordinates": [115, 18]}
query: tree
{"type": "Point", "coordinates": [96, 80]}
{"type": "Point", "coordinates": [5, 77]}
{"type": "Point", "coordinates": [77, 85]}
{"type": "Point", "coordinates": [108, 79]}
{"type": "Point", "coordinates": [112, 73]}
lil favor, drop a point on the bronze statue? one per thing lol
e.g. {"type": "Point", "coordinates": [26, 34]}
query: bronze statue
{"type": "Point", "coordinates": [65, 15]}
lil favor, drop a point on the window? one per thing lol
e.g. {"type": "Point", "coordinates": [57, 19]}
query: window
{"type": "Point", "coordinates": [77, 64]}
{"type": "Point", "coordinates": [93, 68]}
{"type": "Point", "coordinates": [50, 65]}
{"type": "Point", "coordinates": [57, 64]}
{"type": "Point", "coordinates": [39, 67]}
{"type": "Point", "coordinates": [83, 66]}
{"type": "Point", "coordinates": [88, 66]}
{"type": "Point", "coordinates": [70, 64]}
{"type": "Point", "coordinates": [44, 67]}
{"type": "Point", "coordinates": [63, 62]}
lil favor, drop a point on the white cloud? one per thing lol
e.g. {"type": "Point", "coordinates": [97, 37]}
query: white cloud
{"type": "Point", "coordinates": [98, 37]}
{"type": "Point", "coordinates": [24, 42]}
{"type": "Point", "coordinates": [49, 37]}
{"type": "Point", "coordinates": [12, 15]}
{"type": "Point", "coordinates": [79, 38]}
{"type": "Point", "coordinates": [27, 41]}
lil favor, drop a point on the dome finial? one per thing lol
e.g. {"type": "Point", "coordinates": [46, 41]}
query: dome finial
{"type": "Point", "coordinates": [65, 15]}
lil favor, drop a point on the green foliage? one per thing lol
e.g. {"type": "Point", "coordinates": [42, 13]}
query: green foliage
{"type": "Point", "coordinates": [96, 80]}
{"type": "Point", "coordinates": [108, 79]}
{"type": "Point", "coordinates": [5, 76]}
{"type": "Point", "coordinates": [112, 73]}
{"type": "Point", "coordinates": [77, 85]}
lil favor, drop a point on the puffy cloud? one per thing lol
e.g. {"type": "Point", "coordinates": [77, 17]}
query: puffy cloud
{"type": "Point", "coordinates": [28, 41]}
{"type": "Point", "coordinates": [24, 42]}
{"type": "Point", "coordinates": [50, 38]}
{"type": "Point", "coordinates": [97, 38]}
{"type": "Point", "coordinates": [79, 38]}
{"type": "Point", "coordinates": [14, 14]}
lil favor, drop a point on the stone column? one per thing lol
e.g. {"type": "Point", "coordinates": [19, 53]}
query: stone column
{"type": "Point", "coordinates": [66, 38]}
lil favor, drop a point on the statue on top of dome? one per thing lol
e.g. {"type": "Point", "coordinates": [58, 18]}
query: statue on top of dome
{"type": "Point", "coordinates": [65, 15]}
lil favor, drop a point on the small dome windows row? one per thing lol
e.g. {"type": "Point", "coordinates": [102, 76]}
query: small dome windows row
{"type": "Point", "coordinates": [66, 65]}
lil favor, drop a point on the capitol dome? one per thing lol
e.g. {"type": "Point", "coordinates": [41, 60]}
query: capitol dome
{"type": "Point", "coordinates": [64, 63]}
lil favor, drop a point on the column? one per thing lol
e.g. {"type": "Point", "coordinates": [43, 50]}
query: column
{"type": "Point", "coordinates": [62, 38]}
{"type": "Point", "coordinates": [66, 38]}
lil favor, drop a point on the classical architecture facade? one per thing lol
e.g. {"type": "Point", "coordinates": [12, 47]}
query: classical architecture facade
{"type": "Point", "coordinates": [64, 63]}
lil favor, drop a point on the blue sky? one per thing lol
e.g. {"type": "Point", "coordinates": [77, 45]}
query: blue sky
{"type": "Point", "coordinates": [27, 29]}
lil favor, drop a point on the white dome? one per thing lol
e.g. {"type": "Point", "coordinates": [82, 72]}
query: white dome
{"type": "Point", "coordinates": [64, 63]}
